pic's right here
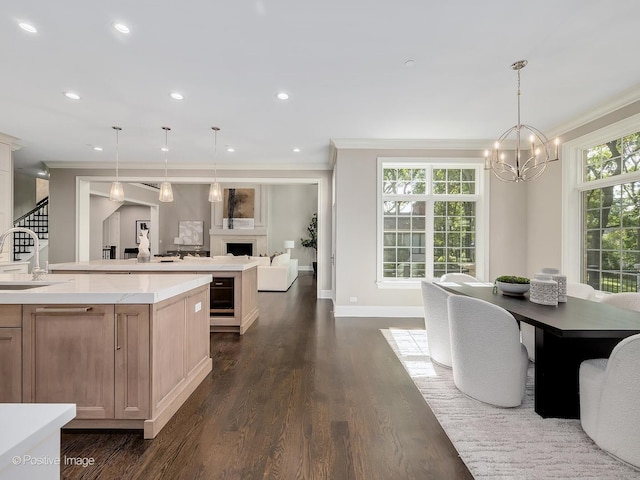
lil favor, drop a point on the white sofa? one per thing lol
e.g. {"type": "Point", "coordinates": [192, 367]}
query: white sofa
{"type": "Point", "coordinates": [278, 274]}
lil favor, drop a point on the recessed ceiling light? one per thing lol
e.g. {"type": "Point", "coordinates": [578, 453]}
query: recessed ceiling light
{"type": "Point", "coordinates": [97, 149]}
{"type": "Point", "coordinates": [28, 27]}
{"type": "Point", "coordinates": [282, 96]}
{"type": "Point", "coordinates": [231, 149]}
{"type": "Point", "coordinates": [176, 96]}
{"type": "Point", "coordinates": [121, 27]}
{"type": "Point", "coordinates": [296, 149]}
{"type": "Point", "coordinates": [410, 63]}
{"type": "Point", "coordinates": [72, 95]}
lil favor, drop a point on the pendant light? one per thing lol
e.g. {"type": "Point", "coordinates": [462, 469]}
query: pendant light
{"type": "Point", "coordinates": [166, 193]}
{"type": "Point", "coordinates": [117, 192]}
{"type": "Point", "coordinates": [215, 192]}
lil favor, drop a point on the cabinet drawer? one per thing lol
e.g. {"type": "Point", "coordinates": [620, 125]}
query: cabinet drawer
{"type": "Point", "coordinates": [10, 315]}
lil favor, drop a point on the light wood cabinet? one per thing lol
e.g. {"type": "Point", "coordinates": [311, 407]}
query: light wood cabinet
{"type": "Point", "coordinates": [95, 356]}
{"type": "Point", "coordinates": [69, 357]}
{"type": "Point", "coordinates": [10, 354]}
{"type": "Point", "coordinates": [132, 361]}
{"type": "Point", "coordinates": [124, 366]}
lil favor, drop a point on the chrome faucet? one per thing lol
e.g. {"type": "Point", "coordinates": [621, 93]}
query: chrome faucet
{"type": "Point", "coordinates": [36, 271]}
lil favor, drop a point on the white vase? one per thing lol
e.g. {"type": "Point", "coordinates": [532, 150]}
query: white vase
{"type": "Point", "coordinates": [543, 290]}
{"type": "Point", "coordinates": [144, 256]}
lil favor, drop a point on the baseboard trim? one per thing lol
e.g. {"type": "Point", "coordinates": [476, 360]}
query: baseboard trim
{"type": "Point", "coordinates": [378, 311]}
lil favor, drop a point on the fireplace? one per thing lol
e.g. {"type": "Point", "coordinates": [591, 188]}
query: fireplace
{"type": "Point", "coordinates": [240, 248]}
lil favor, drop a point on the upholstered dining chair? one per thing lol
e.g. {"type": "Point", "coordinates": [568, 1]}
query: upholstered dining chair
{"type": "Point", "coordinates": [609, 392]}
{"type": "Point", "coordinates": [627, 300]}
{"type": "Point", "coordinates": [458, 278]}
{"type": "Point", "coordinates": [580, 290]}
{"type": "Point", "coordinates": [436, 322]}
{"type": "Point", "coordinates": [489, 362]}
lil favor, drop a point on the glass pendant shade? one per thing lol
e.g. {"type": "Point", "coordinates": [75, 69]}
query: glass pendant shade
{"type": "Point", "coordinates": [117, 192]}
{"type": "Point", "coordinates": [215, 192]}
{"type": "Point", "coordinates": [166, 192]}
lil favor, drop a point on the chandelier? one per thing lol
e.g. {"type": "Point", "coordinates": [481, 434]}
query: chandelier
{"type": "Point", "coordinates": [531, 155]}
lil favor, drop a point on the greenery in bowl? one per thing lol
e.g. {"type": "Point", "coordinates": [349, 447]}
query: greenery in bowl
{"type": "Point", "coordinates": [512, 279]}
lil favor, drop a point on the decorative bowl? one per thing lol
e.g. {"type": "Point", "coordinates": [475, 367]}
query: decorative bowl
{"type": "Point", "coordinates": [513, 288]}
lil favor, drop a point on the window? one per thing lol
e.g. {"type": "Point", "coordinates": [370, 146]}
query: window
{"type": "Point", "coordinates": [429, 218]}
{"type": "Point", "coordinates": [610, 204]}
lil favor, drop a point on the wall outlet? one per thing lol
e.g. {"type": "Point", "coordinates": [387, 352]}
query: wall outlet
{"type": "Point", "coordinates": [353, 299]}
{"type": "Point", "coordinates": [198, 306]}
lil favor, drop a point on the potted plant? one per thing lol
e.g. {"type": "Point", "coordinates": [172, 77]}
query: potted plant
{"type": "Point", "coordinates": [312, 241]}
{"type": "Point", "coordinates": [512, 284]}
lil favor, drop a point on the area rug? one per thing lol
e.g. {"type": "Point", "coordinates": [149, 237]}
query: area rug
{"type": "Point", "coordinates": [503, 443]}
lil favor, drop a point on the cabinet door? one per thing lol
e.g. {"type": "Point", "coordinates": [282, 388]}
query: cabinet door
{"type": "Point", "coordinates": [197, 328]}
{"type": "Point", "coordinates": [10, 365]}
{"type": "Point", "coordinates": [69, 357]}
{"type": "Point", "coordinates": [132, 362]}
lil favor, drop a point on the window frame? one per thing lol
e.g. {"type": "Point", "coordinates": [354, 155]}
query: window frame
{"type": "Point", "coordinates": [479, 197]}
{"type": "Point", "coordinates": [573, 186]}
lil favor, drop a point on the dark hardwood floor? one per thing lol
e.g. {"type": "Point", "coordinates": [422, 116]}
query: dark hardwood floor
{"type": "Point", "coordinates": [300, 396]}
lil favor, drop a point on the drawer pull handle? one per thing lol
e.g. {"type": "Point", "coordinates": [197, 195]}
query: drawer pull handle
{"type": "Point", "coordinates": [4, 339]}
{"type": "Point", "coordinates": [63, 309]}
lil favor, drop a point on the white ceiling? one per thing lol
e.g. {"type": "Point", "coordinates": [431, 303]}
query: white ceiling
{"type": "Point", "coordinates": [341, 61]}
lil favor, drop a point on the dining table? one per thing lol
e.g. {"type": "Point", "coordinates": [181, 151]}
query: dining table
{"type": "Point", "coordinates": [565, 335]}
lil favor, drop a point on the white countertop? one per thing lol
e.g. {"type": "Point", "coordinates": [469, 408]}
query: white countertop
{"type": "Point", "coordinates": [99, 289]}
{"type": "Point", "coordinates": [188, 264]}
{"type": "Point", "coordinates": [25, 425]}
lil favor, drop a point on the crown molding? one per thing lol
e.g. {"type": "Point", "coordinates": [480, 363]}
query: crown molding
{"type": "Point", "coordinates": [189, 166]}
{"type": "Point", "coordinates": [410, 144]}
{"type": "Point", "coordinates": [616, 103]}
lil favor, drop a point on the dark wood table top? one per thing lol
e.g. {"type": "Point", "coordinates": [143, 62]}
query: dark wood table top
{"type": "Point", "coordinates": [575, 318]}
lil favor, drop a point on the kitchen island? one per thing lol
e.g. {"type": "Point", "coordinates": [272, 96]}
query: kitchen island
{"type": "Point", "coordinates": [234, 287]}
{"type": "Point", "coordinates": [128, 350]}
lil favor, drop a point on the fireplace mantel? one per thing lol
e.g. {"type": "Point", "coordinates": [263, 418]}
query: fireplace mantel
{"type": "Point", "coordinates": [220, 237]}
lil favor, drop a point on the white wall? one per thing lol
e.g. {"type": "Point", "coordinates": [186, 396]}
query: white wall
{"type": "Point", "coordinates": [356, 197]}
{"type": "Point", "coordinates": [24, 196]}
{"type": "Point", "coordinates": [290, 210]}
{"type": "Point", "coordinates": [190, 202]}
{"type": "Point", "coordinates": [128, 216]}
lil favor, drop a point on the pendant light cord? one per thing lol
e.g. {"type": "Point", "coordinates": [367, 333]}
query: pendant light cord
{"type": "Point", "coordinates": [166, 150]}
{"type": "Point", "coordinates": [117, 129]}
